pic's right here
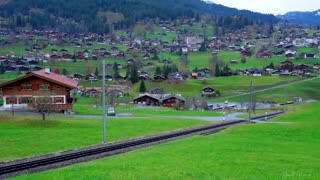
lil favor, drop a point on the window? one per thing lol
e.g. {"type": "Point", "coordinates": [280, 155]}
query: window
{"type": "Point", "coordinates": [12, 100]}
{"type": "Point", "coordinates": [26, 86]}
{"type": "Point", "coordinates": [26, 100]}
{"type": "Point", "coordinates": [59, 100]}
{"type": "Point", "coordinates": [44, 86]}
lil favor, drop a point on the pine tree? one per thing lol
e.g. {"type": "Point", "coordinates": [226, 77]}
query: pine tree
{"type": "Point", "coordinates": [271, 65]}
{"type": "Point", "coordinates": [155, 56]}
{"type": "Point", "coordinates": [2, 70]}
{"type": "Point", "coordinates": [217, 74]}
{"type": "Point", "coordinates": [115, 70]}
{"type": "Point", "coordinates": [166, 72]}
{"type": "Point", "coordinates": [142, 88]}
{"type": "Point", "coordinates": [96, 72]}
{"type": "Point", "coordinates": [203, 47]}
{"type": "Point", "coordinates": [128, 72]}
{"type": "Point", "coordinates": [174, 68]}
{"type": "Point", "coordinates": [134, 75]}
{"type": "Point", "coordinates": [64, 71]}
{"type": "Point", "coordinates": [195, 69]}
{"type": "Point", "coordinates": [158, 71]}
{"type": "Point", "coordinates": [291, 68]}
{"type": "Point", "coordinates": [180, 52]}
{"type": "Point", "coordinates": [243, 60]}
{"type": "Point", "coordinates": [226, 71]}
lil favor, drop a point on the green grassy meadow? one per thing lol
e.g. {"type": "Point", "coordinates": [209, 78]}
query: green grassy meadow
{"type": "Point", "coordinates": [87, 109]}
{"type": "Point", "coordinates": [286, 150]}
{"type": "Point", "coordinates": [9, 76]}
{"type": "Point", "coordinates": [305, 90]}
{"type": "Point", "coordinates": [226, 85]}
{"type": "Point", "coordinates": [27, 136]}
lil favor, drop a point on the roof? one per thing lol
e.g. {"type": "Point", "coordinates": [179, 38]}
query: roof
{"type": "Point", "coordinates": [99, 89]}
{"type": "Point", "coordinates": [154, 96]}
{"type": "Point", "coordinates": [49, 76]}
{"type": "Point", "coordinates": [115, 89]}
{"type": "Point", "coordinates": [161, 97]}
{"type": "Point", "coordinates": [207, 87]}
{"type": "Point", "coordinates": [173, 96]}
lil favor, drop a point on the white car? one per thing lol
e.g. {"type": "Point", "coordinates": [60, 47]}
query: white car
{"type": "Point", "coordinates": [111, 111]}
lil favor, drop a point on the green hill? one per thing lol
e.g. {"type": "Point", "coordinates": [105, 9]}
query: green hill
{"type": "Point", "coordinates": [101, 16]}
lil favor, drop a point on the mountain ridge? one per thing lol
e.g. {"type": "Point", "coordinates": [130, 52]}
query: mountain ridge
{"type": "Point", "coordinates": [302, 17]}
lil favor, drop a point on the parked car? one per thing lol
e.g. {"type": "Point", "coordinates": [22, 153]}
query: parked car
{"type": "Point", "coordinates": [111, 111]}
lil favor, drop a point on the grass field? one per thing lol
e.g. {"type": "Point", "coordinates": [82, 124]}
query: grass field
{"type": "Point", "coordinates": [226, 85]}
{"type": "Point", "coordinates": [305, 90]}
{"type": "Point", "coordinates": [253, 62]}
{"type": "Point", "coordinates": [27, 136]}
{"type": "Point", "coordinates": [88, 109]}
{"type": "Point", "coordinates": [86, 106]}
{"type": "Point", "coordinates": [19, 49]}
{"type": "Point", "coordinates": [255, 151]}
{"type": "Point", "coordinates": [9, 76]}
{"type": "Point", "coordinates": [84, 67]}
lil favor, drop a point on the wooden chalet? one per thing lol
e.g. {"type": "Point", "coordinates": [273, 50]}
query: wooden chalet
{"type": "Point", "coordinates": [25, 92]}
{"type": "Point", "coordinates": [316, 66]}
{"type": "Point", "coordinates": [166, 100]}
{"type": "Point", "coordinates": [93, 91]}
{"type": "Point", "coordinates": [158, 78]}
{"type": "Point", "coordinates": [148, 99]}
{"type": "Point", "coordinates": [206, 91]}
{"type": "Point", "coordinates": [170, 100]}
{"type": "Point", "coordinates": [115, 92]}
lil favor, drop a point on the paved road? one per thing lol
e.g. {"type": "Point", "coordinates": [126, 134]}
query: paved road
{"type": "Point", "coordinates": [231, 116]}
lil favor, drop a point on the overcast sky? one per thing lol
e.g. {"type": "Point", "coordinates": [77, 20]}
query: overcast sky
{"type": "Point", "coordinates": [272, 6]}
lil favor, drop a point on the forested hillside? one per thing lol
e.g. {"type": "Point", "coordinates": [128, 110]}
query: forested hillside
{"type": "Point", "coordinates": [104, 15]}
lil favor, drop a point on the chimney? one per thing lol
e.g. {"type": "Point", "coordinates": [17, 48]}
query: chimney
{"type": "Point", "coordinates": [47, 70]}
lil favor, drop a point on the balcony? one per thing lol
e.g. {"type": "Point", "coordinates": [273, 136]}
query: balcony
{"type": "Point", "coordinates": [61, 107]}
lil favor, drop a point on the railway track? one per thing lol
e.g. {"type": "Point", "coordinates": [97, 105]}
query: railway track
{"type": "Point", "coordinates": [57, 160]}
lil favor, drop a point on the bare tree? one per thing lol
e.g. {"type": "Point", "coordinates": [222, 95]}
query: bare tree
{"type": "Point", "coordinates": [184, 60]}
{"type": "Point", "coordinates": [13, 100]}
{"type": "Point", "coordinates": [196, 102]}
{"type": "Point", "coordinates": [43, 102]}
{"type": "Point", "coordinates": [213, 62]}
{"type": "Point", "coordinates": [204, 104]}
{"type": "Point", "coordinates": [241, 102]}
{"type": "Point", "coordinates": [88, 68]}
{"type": "Point", "coordinates": [254, 104]}
{"type": "Point", "coordinates": [98, 100]}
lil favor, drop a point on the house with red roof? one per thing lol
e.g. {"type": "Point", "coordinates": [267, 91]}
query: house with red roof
{"type": "Point", "coordinates": [25, 91]}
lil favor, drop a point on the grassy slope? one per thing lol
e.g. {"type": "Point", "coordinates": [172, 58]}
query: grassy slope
{"type": "Point", "coordinates": [226, 85]}
{"type": "Point", "coordinates": [256, 151]}
{"type": "Point", "coordinates": [305, 90]}
{"type": "Point", "coordinates": [251, 62]}
{"type": "Point", "coordinates": [26, 136]}
{"type": "Point", "coordinates": [9, 76]}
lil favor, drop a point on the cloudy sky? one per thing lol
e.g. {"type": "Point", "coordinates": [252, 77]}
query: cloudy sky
{"type": "Point", "coordinates": [272, 6]}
